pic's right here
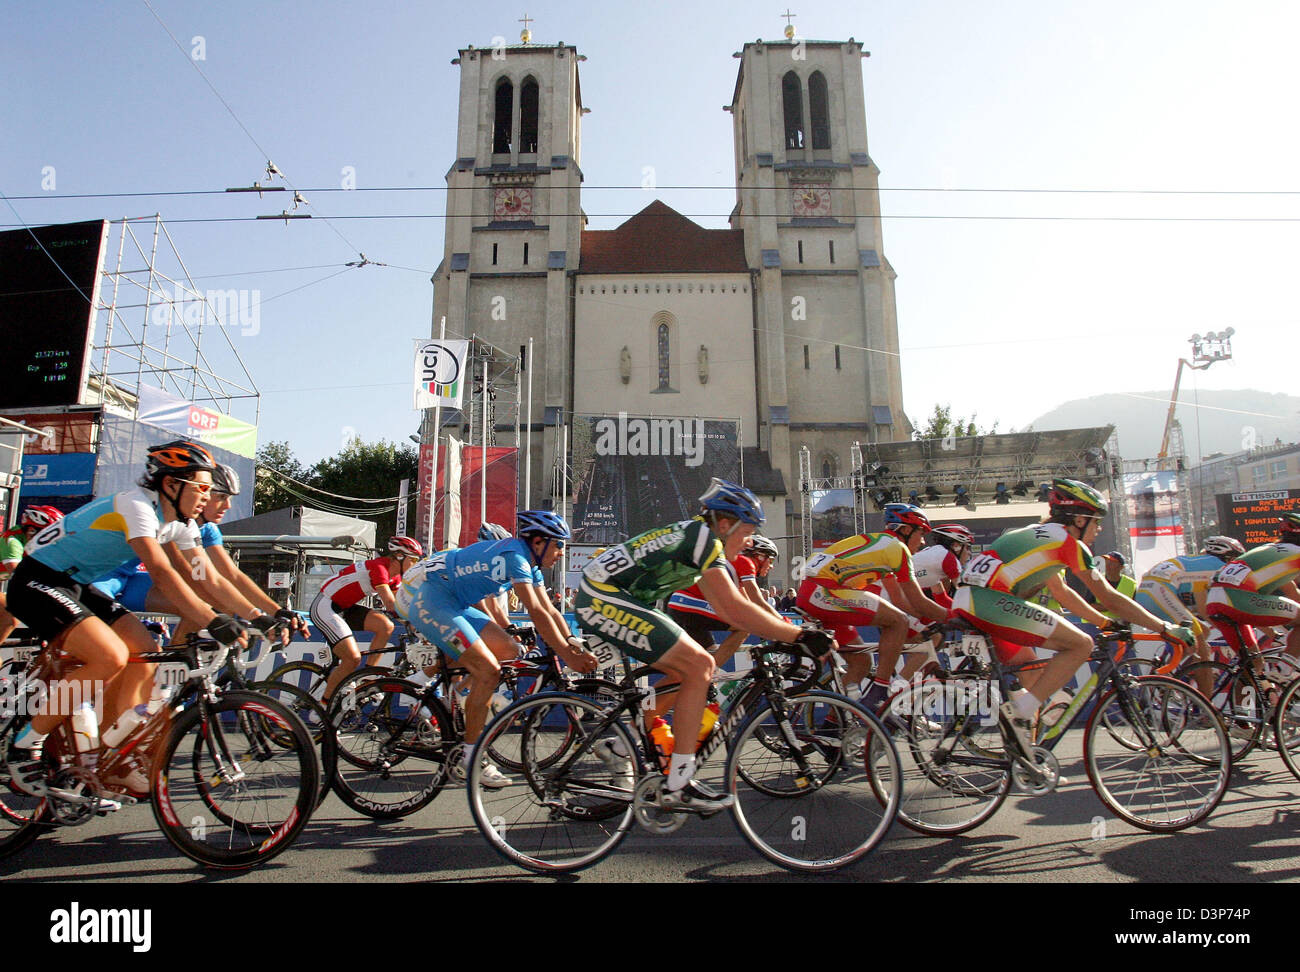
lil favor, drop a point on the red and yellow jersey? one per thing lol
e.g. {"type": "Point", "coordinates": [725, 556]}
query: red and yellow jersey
{"type": "Point", "coordinates": [1021, 562]}
{"type": "Point", "coordinates": [1263, 570]}
{"type": "Point", "coordinates": [857, 562]}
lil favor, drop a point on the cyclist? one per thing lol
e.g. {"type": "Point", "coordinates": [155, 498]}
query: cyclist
{"type": "Point", "coordinates": [337, 609]}
{"type": "Point", "coordinates": [51, 591]}
{"type": "Point", "coordinates": [1259, 588]}
{"type": "Point", "coordinates": [448, 598]}
{"type": "Point", "coordinates": [996, 585]}
{"type": "Point", "coordinates": [616, 609]}
{"type": "Point", "coordinates": [213, 575]}
{"type": "Point", "coordinates": [1175, 590]}
{"type": "Point", "coordinates": [12, 542]}
{"type": "Point", "coordinates": [836, 589]}
{"type": "Point", "coordinates": [697, 618]}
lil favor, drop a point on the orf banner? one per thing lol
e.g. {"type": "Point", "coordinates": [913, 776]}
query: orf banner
{"type": "Point", "coordinates": [197, 422]}
{"type": "Point", "coordinates": [440, 373]}
{"type": "Point", "coordinates": [1155, 520]}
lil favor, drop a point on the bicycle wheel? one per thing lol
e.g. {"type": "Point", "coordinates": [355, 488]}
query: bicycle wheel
{"type": "Point", "coordinates": [1286, 727]}
{"type": "Point", "coordinates": [1235, 696]}
{"type": "Point", "coordinates": [816, 809]}
{"type": "Point", "coordinates": [545, 748]}
{"type": "Point", "coordinates": [306, 675]}
{"type": "Point", "coordinates": [21, 816]}
{"type": "Point", "coordinates": [1178, 774]}
{"type": "Point", "coordinates": [235, 782]}
{"type": "Point", "coordinates": [308, 710]}
{"type": "Point", "coordinates": [393, 744]}
{"type": "Point", "coordinates": [568, 814]}
{"type": "Point", "coordinates": [955, 770]}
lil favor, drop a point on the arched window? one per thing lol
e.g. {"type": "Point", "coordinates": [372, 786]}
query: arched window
{"type": "Point", "coordinates": [817, 108]}
{"type": "Point", "coordinates": [792, 102]}
{"type": "Point", "coordinates": [503, 119]}
{"type": "Point", "coordinates": [528, 112]}
{"type": "Point", "coordinates": [664, 357]}
{"type": "Point", "coordinates": [830, 466]}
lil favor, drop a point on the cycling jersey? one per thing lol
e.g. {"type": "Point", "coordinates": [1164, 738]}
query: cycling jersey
{"type": "Point", "coordinates": [1168, 590]}
{"type": "Point", "coordinates": [93, 540]}
{"type": "Point", "coordinates": [1261, 570]}
{"type": "Point", "coordinates": [1021, 562]}
{"type": "Point", "coordinates": [618, 587]}
{"type": "Point", "coordinates": [11, 546]}
{"type": "Point", "coordinates": [857, 562]}
{"type": "Point", "coordinates": [933, 566]}
{"type": "Point", "coordinates": [356, 581]}
{"type": "Point", "coordinates": [692, 600]}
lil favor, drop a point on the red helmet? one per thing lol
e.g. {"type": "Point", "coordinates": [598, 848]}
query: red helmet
{"type": "Point", "coordinates": [905, 514]}
{"type": "Point", "coordinates": [405, 547]}
{"type": "Point", "coordinates": [954, 532]}
{"type": "Point", "coordinates": [40, 516]}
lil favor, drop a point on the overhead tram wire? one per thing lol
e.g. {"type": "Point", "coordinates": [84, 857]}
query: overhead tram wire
{"type": "Point", "coordinates": [285, 477]}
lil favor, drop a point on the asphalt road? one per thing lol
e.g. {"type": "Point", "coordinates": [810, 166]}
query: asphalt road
{"type": "Point", "coordinates": [1064, 836]}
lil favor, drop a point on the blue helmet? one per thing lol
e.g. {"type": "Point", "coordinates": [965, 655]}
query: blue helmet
{"type": "Point", "coordinates": [493, 531]}
{"type": "Point", "coordinates": [905, 514]}
{"type": "Point", "coordinates": [542, 523]}
{"type": "Point", "coordinates": [734, 501]}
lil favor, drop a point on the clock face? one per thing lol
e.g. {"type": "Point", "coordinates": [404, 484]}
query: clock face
{"type": "Point", "coordinates": [811, 200]}
{"type": "Point", "coordinates": [513, 202]}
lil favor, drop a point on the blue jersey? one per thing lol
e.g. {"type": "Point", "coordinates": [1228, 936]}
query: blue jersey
{"type": "Point", "coordinates": [1186, 575]}
{"type": "Point", "coordinates": [92, 541]}
{"type": "Point", "coordinates": [480, 570]}
{"type": "Point", "coordinates": [208, 535]}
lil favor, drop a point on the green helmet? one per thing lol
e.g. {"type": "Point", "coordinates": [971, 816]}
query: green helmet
{"type": "Point", "coordinates": [1072, 496]}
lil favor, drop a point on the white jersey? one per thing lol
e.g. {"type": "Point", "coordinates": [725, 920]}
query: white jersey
{"type": "Point", "coordinates": [934, 565]}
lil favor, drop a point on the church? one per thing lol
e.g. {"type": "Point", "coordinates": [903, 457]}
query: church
{"type": "Point", "coordinates": [782, 327]}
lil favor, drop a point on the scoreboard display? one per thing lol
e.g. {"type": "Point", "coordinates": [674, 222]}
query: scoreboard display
{"type": "Point", "coordinates": [49, 277]}
{"type": "Point", "coordinates": [1252, 517]}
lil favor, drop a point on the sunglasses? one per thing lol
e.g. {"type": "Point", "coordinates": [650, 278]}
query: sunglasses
{"type": "Point", "coordinates": [203, 488]}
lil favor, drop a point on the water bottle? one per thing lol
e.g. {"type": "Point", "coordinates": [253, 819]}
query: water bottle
{"type": "Point", "coordinates": [498, 702]}
{"type": "Point", "coordinates": [128, 720]}
{"type": "Point", "coordinates": [710, 720]}
{"type": "Point", "coordinates": [85, 730]}
{"type": "Point", "coordinates": [662, 736]}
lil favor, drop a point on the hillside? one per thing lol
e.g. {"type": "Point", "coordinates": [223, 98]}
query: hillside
{"type": "Point", "coordinates": [1226, 422]}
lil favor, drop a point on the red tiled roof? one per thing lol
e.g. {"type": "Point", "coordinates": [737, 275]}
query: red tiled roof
{"type": "Point", "coordinates": [661, 240]}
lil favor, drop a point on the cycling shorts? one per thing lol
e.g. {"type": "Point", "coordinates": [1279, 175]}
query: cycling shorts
{"type": "Point", "coordinates": [1163, 601]}
{"type": "Point", "coordinates": [50, 602]}
{"type": "Point", "coordinates": [434, 609]}
{"type": "Point", "coordinates": [611, 619]}
{"type": "Point", "coordinates": [841, 610]}
{"type": "Point", "coordinates": [1011, 622]}
{"type": "Point", "coordinates": [699, 627]}
{"type": "Point", "coordinates": [336, 623]}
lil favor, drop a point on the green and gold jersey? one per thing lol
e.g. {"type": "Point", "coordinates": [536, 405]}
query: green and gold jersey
{"type": "Point", "coordinates": [653, 565]}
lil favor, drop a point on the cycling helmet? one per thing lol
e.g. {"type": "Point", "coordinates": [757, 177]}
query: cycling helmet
{"type": "Point", "coordinates": [225, 480]}
{"type": "Point", "coordinates": [40, 516]}
{"type": "Point", "coordinates": [404, 547]}
{"type": "Point", "coordinates": [493, 531]}
{"type": "Point", "coordinates": [949, 533]}
{"type": "Point", "coordinates": [761, 545]}
{"type": "Point", "coordinates": [1225, 548]}
{"type": "Point", "coordinates": [1290, 522]}
{"type": "Point", "coordinates": [732, 500]}
{"type": "Point", "coordinates": [178, 458]}
{"type": "Point", "coordinates": [542, 523]}
{"type": "Point", "coordinates": [1073, 497]}
{"type": "Point", "coordinates": [905, 514]}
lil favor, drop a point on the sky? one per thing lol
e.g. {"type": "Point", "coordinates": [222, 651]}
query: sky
{"type": "Point", "coordinates": [1069, 194]}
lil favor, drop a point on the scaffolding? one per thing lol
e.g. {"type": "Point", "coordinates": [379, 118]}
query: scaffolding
{"type": "Point", "coordinates": [150, 323]}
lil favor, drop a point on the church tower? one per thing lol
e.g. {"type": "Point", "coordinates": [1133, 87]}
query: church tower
{"type": "Point", "coordinates": [808, 203]}
{"type": "Point", "coordinates": [514, 219]}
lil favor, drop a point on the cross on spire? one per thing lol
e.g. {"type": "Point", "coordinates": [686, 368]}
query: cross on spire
{"type": "Point", "coordinates": [526, 35]}
{"type": "Point", "coordinates": [788, 17]}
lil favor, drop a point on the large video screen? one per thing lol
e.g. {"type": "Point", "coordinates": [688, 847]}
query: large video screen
{"type": "Point", "coordinates": [1252, 517]}
{"type": "Point", "coordinates": [47, 284]}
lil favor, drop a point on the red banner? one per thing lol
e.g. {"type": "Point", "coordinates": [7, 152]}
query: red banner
{"type": "Point", "coordinates": [61, 432]}
{"type": "Point", "coordinates": [502, 487]}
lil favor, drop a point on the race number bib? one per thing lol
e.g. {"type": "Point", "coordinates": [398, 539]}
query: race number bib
{"type": "Point", "coordinates": [815, 564]}
{"type": "Point", "coordinates": [1233, 575]}
{"type": "Point", "coordinates": [1165, 570]}
{"type": "Point", "coordinates": [170, 676]}
{"type": "Point", "coordinates": [421, 655]}
{"type": "Point", "coordinates": [980, 570]}
{"type": "Point", "coordinates": [975, 645]}
{"type": "Point", "coordinates": [613, 561]}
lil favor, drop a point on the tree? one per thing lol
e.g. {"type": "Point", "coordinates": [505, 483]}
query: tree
{"type": "Point", "coordinates": [268, 494]}
{"type": "Point", "coordinates": [941, 425]}
{"type": "Point", "coordinates": [369, 470]}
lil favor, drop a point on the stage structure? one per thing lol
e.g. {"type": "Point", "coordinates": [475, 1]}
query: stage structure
{"type": "Point", "coordinates": [995, 480]}
{"type": "Point", "coordinates": [160, 360]}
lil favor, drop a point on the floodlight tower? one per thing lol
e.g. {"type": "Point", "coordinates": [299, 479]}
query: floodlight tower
{"type": "Point", "coordinates": [1206, 350]}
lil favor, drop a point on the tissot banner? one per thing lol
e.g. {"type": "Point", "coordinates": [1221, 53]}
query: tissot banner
{"type": "Point", "coordinates": [440, 373]}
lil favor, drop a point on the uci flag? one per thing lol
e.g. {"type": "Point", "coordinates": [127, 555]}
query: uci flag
{"type": "Point", "coordinates": [440, 373]}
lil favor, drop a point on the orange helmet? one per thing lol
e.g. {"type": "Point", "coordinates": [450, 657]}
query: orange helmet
{"type": "Point", "coordinates": [178, 458]}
